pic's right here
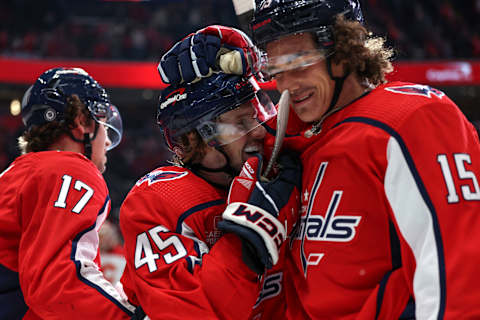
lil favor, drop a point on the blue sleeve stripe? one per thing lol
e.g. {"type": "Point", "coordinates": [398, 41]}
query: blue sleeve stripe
{"type": "Point", "coordinates": [273, 132]}
{"type": "Point", "coordinates": [195, 209]}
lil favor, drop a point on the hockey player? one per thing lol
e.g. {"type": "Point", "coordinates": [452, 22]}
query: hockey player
{"type": "Point", "coordinates": [179, 265]}
{"type": "Point", "coordinates": [53, 201]}
{"type": "Point", "coordinates": [390, 184]}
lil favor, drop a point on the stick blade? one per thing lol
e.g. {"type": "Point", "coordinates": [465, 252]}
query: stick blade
{"type": "Point", "coordinates": [282, 121]}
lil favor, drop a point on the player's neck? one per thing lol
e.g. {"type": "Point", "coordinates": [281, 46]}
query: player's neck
{"type": "Point", "coordinates": [65, 143]}
{"type": "Point", "coordinates": [352, 89]}
{"type": "Point", "coordinates": [218, 179]}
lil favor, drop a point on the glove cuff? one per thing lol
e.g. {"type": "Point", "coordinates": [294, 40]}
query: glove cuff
{"type": "Point", "coordinates": [261, 222]}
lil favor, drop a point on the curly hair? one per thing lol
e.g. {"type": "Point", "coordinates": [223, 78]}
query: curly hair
{"type": "Point", "coordinates": [363, 53]}
{"type": "Point", "coordinates": [40, 138]}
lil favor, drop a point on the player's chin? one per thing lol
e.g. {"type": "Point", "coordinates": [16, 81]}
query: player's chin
{"type": "Point", "coordinates": [103, 165]}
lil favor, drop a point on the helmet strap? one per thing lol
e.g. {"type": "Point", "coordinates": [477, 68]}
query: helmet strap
{"type": "Point", "coordinates": [227, 168]}
{"type": "Point", "coordinates": [338, 84]}
{"type": "Point", "coordinates": [87, 144]}
{"type": "Point", "coordinates": [87, 141]}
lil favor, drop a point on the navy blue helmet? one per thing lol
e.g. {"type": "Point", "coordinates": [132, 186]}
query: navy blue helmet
{"type": "Point", "coordinates": [277, 18]}
{"type": "Point", "coordinates": [46, 100]}
{"type": "Point", "coordinates": [198, 106]}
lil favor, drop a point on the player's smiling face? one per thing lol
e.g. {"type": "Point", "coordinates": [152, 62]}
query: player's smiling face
{"type": "Point", "coordinates": [311, 88]}
{"type": "Point", "coordinates": [249, 140]}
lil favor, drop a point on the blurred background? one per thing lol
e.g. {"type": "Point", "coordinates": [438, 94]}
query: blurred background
{"type": "Point", "coordinates": [120, 42]}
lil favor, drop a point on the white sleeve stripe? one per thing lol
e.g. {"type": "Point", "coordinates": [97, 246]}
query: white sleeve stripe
{"type": "Point", "coordinates": [402, 185]}
{"type": "Point", "coordinates": [418, 225]}
{"type": "Point", "coordinates": [84, 252]}
{"type": "Point", "coordinates": [189, 233]}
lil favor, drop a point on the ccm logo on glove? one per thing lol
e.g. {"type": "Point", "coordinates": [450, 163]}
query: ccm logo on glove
{"type": "Point", "coordinates": [259, 220]}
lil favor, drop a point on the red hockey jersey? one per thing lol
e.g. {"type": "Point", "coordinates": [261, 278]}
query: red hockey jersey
{"type": "Point", "coordinates": [390, 209]}
{"type": "Point", "coordinates": [179, 266]}
{"type": "Point", "coordinates": [52, 205]}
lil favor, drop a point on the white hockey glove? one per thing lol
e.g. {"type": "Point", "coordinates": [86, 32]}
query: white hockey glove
{"type": "Point", "coordinates": [262, 213]}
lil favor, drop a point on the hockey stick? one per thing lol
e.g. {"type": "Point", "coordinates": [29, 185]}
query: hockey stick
{"type": "Point", "coordinates": [244, 11]}
{"type": "Point", "coordinates": [231, 62]}
{"type": "Point", "coordinates": [282, 121]}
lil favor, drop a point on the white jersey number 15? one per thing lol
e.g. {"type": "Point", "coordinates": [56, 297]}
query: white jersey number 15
{"type": "Point", "coordinates": [463, 174]}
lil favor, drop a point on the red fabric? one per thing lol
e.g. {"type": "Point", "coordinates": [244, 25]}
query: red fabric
{"type": "Point", "coordinates": [192, 272]}
{"type": "Point", "coordinates": [385, 164]}
{"type": "Point", "coordinates": [54, 249]}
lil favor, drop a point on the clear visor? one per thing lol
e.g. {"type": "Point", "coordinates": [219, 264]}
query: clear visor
{"type": "Point", "coordinates": [237, 123]}
{"type": "Point", "coordinates": [109, 116]}
{"type": "Point", "coordinates": [287, 62]}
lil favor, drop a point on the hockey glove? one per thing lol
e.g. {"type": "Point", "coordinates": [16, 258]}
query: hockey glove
{"type": "Point", "coordinates": [214, 48]}
{"type": "Point", "coordinates": [263, 213]}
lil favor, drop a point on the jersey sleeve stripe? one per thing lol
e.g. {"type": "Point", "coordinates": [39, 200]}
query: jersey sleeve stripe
{"type": "Point", "coordinates": [416, 223]}
{"type": "Point", "coordinates": [394, 246]}
{"type": "Point", "coordinates": [417, 220]}
{"type": "Point", "coordinates": [193, 261]}
{"type": "Point", "coordinates": [273, 132]}
{"type": "Point", "coordinates": [195, 209]}
{"type": "Point", "coordinates": [84, 252]}
{"type": "Point", "coordinates": [381, 292]}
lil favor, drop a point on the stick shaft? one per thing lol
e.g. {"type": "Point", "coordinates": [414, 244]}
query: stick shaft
{"type": "Point", "coordinates": [282, 121]}
{"type": "Point", "coordinates": [244, 11]}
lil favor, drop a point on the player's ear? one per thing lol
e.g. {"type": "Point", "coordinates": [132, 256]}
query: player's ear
{"type": "Point", "coordinates": [82, 126]}
{"type": "Point", "coordinates": [179, 152]}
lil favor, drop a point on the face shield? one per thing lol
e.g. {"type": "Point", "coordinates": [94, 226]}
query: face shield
{"type": "Point", "coordinates": [108, 115]}
{"type": "Point", "coordinates": [293, 61]}
{"type": "Point", "coordinates": [238, 122]}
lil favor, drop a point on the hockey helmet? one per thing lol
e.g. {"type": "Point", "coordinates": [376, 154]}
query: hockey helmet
{"type": "Point", "coordinates": [198, 106]}
{"type": "Point", "coordinates": [46, 100]}
{"type": "Point", "coordinates": [274, 19]}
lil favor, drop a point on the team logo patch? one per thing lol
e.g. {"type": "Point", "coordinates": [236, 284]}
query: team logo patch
{"type": "Point", "coordinates": [418, 90]}
{"type": "Point", "coordinates": [272, 287]}
{"type": "Point", "coordinates": [161, 175]}
{"type": "Point", "coordinates": [173, 98]}
{"type": "Point", "coordinates": [265, 4]}
{"type": "Point", "coordinates": [330, 226]}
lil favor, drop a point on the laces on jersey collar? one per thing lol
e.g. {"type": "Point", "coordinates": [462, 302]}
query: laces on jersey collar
{"type": "Point", "coordinates": [316, 127]}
